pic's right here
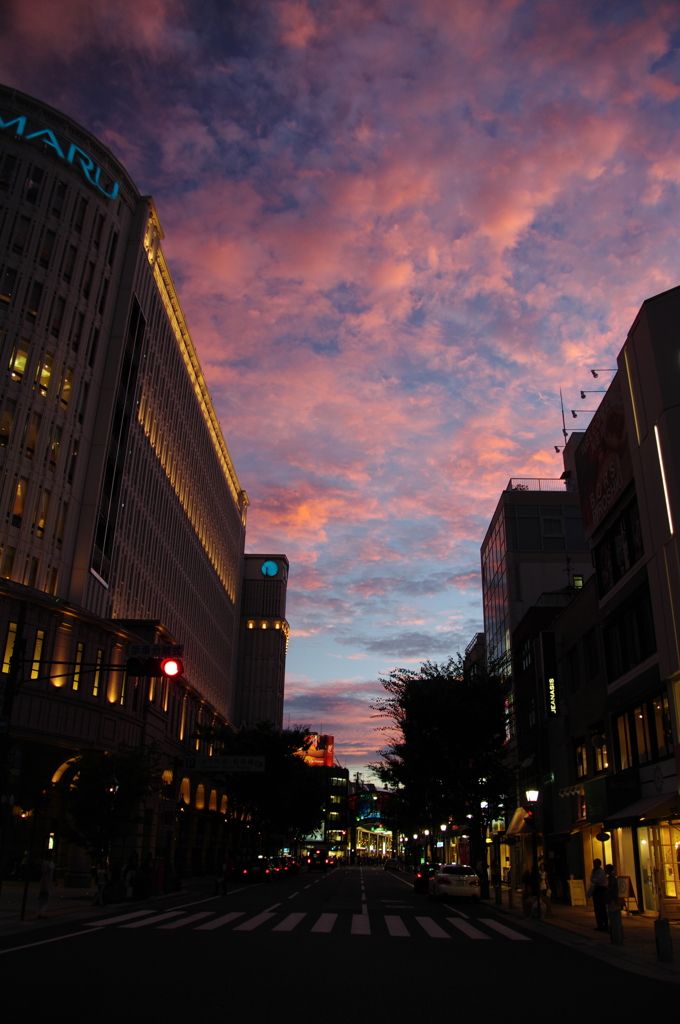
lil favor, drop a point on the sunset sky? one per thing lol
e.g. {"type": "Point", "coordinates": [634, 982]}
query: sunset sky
{"type": "Point", "coordinates": [397, 229]}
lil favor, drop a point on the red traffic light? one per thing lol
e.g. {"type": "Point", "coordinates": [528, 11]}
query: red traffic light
{"type": "Point", "coordinates": [171, 667]}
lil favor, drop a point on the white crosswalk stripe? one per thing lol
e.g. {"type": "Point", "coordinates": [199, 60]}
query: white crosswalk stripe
{"type": "Point", "coordinates": [360, 924]}
{"type": "Point", "coordinates": [396, 927]}
{"type": "Point", "coordinates": [254, 922]}
{"type": "Point", "coordinates": [467, 929]}
{"type": "Point", "coordinates": [432, 928]}
{"type": "Point", "coordinates": [325, 924]}
{"type": "Point", "coordinates": [288, 923]}
{"type": "Point", "coordinates": [509, 933]}
{"type": "Point", "coordinates": [219, 921]}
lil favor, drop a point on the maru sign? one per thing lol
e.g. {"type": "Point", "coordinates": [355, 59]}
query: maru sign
{"type": "Point", "coordinates": [74, 154]}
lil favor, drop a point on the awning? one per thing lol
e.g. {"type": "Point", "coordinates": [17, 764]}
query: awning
{"type": "Point", "coordinates": [518, 825]}
{"type": "Point", "coordinates": [651, 808]}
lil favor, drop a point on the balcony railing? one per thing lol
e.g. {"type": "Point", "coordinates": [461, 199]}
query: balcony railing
{"type": "Point", "coordinates": [531, 484]}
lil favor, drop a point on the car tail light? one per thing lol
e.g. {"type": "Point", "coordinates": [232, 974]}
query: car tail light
{"type": "Point", "coordinates": [419, 875]}
{"type": "Point", "coordinates": [474, 882]}
{"type": "Point", "coordinates": [245, 871]}
{"type": "Point", "coordinates": [266, 871]}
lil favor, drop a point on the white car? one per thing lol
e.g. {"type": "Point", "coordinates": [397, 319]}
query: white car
{"type": "Point", "coordinates": [453, 880]}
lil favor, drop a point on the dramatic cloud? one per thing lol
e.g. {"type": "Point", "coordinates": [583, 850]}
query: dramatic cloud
{"type": "Point", "coordinates": [397, 230]}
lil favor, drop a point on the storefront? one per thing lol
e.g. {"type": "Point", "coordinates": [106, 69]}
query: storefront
{"type": "Point", "coordinates": [646, 840]}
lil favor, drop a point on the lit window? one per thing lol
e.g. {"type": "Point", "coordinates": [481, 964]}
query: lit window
{"type": "Point", "coordinates": [578, 582]}
{"type": "Point", "coordinates": [212, 805]}
{"type": "Point", "coordinates": [223, 805]}
{"type": "Point", "coordinates": [9, 645]}
{"type": "Point", "coordinates": [185, 791]}
{"type": "Point", "coordinates": [97, 674]}
{"type": "Point", "coordinates": [79, 661]}
{"type": "Point", "coordinates": [37, 653]}
{"type": "Point", "coordinates": [17, 364]}
{"type": "Point", "coordinates": [200, 797]}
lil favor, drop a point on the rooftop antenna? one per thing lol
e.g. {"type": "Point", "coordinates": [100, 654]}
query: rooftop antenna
{"type": "Point", "coordinates": [564, 426]}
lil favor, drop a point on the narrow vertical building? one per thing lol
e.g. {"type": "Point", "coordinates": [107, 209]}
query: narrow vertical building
{"type": "Point", "coordinates": [263, 640]}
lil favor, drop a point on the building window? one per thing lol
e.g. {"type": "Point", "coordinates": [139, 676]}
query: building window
{"type": "Point", "coordinates": [629, 637]}
{"type": "Point", "coordinates": [581, 761]}
{"type": "Point", "coordinates": [199, 803]}
{"type": "Point", "coordinates": [69, 263]}
{"type": "Point", "coordinates": [58, 316]}
{"type": "Point", "coordinates": [21, 234]}
{"type": "Point", "coordinates": [578, 582]}
{"type": "Point", "coordinates": [601, 759]}
{"type": "Point", "coordinates": [58, 198]}
{"type": "Point", "coordinates": [619, 550]}
{"type": "Point", "coordinates": [19, 503]}
{"type": "Point", "coordinates": [78, 665]}
{"type": "Point", "coordinates": [54, 449]}
{"type": "Point", "coordinates": [212, 805]}
{"type": "Point", "coordinates": [96, 682]}
{"type": "Point", "coordinates": [644, 752]}
{"type": "Point", "coordinates": [44, 373]}
{"type": "Point", "coordinates": [78, 220]}
{"type": "Point", "coordinates": [37, 653]}
{"type": "Point", "coordinates": [33, 572]}
{"type": "Point", "coordinates": [663, 732]}
{"type": "Point", "coordinates": [63, 512]}
{"type": "Point", "coordinates": [6, 423]}
{"type": "Point", "coordinates": [47, 248]}
{"type": "Point", "coordinates": [8, 283]}
{"type": "Point", "coordinates": [185, 791]}
{"type": "Point", "coordinates": [223, 805]}
{"type": "Point", "coordinates": [9, 645]}
{"type": "Point", "coordinates": [41, 512]}
{"type": "Point", "coordinates": [625, 747]}
{"type": "Point", "coordinates": [8, 563]}
{"type": "Point", "coordinates": [66, 386]}
{"type": "Point", "coordinates": [17, 363]}
{"type": "Point", "coordinates": [33, 183]}
{"type": "Point", "coordinates": [32, 435]}
{"type": "Point", "coordinates": [33, 301]}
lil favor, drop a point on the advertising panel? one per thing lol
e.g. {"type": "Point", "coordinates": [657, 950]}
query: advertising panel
{"type": "Point", "coordinates": [603, 461]}
{"type": "Point", "coordinates": [321, 750]}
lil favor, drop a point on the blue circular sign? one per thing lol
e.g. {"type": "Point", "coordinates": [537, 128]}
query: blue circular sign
{"type": "Point", "coordinates": [269, 568]}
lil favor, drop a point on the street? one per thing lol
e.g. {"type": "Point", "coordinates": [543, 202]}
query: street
{"type": "Point", "coordinates": [351, 941]}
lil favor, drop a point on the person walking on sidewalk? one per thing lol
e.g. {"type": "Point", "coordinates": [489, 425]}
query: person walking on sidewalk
{"type": "Point", "coordinates": [545, 889]}
{"type": "Point", "coordinates": [599, 883]}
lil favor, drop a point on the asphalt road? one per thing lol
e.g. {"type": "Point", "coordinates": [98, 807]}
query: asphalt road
{"type": "Point", "coordinates": [313, 947]}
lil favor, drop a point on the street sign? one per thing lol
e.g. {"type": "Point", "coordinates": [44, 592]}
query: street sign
{"type": "Point", "coordinates": [231, 763]}
{"type": "Point", "coordinates": [156, 650]}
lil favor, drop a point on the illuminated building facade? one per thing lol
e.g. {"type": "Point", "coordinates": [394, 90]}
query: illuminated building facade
{"type": "Point", "coordinates": [263, 640]}
{"type": "Point", "coordinates": [122, 519]}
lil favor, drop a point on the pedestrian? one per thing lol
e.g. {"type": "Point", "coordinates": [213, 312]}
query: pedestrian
{"type": "Point", "coordinates": [546, 892]}
{"type": "Point", "coordinates": [611, 896]}
{"type": "Point", "coordinates": [598, 890]}
{"type": "Point", "coordinates": [101, 878]}
{"type": "Point", "coordinates": [46, 881]}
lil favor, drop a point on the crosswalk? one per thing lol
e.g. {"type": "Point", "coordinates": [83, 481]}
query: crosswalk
{"type": "Point", "coordinates": [393, 926]}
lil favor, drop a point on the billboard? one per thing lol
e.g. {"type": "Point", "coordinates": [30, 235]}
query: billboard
{"type": "Point", "coordinates": [603, 461]}
{"type": "Point", "coordinates": [321, 750]}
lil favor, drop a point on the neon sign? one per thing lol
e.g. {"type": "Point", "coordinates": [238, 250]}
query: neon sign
{"type": "Point", "coordinates": [87, 164]}
{"type": "Point", "coordinates": [552, 696]}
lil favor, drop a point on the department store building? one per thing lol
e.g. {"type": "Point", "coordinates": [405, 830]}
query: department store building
{"type": "Point", "coordinates": [122, 519]}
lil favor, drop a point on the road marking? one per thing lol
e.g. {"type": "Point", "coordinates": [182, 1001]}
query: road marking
{"type": "Point", "coordinates": [361, 924]}
{"type": "Point", "coordinates": [508, 932]}
{"type": "Point", "coordinates": [43, 942]}
{"type": "Point", "coordinates": [153, 920]}
{"type": "Point", "coordinates": [124, 917]}
{"type": "Point", "coordinates": [186, 920]}
{"type": "Point", "coordinates": [325, 923]}
{"type": "Point", "coordinates": [432, 928]}
{"type": "Point", "coordinates": [219, 921]}
{"type": "Point", "coordinates": [289, 923]}
{"type": "Point", "coordinates": [459, 912]}
{"type": "Point", "coordinates": [254, 922]}
{"type": "Point", "coordinates": [269, 909]}
{"type": "Point", "coordinates": [308, 886]}
{"type": "Point", "coordinates": [396, 927]}
{"type": "Point", "coordinates": [294, 894]}
{"type": "Point", "coordinates": [467, 929]}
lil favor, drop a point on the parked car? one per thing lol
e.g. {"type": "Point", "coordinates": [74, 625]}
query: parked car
{"type": "Point", "coordinates": [453, 880]}
{"type": "Point", "coordinates": [390, 864]}
{"type": "Point", "coordinates": [257, 871]}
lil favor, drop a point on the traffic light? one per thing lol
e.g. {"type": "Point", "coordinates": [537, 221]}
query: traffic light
{"type": "Point", "coordinates": [167, 668]}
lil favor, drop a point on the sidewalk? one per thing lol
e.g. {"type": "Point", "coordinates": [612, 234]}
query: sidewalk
{"type": "Point", "coordinates": [575, 926]}
{"type": "Point", "coordinates": [69, 904]}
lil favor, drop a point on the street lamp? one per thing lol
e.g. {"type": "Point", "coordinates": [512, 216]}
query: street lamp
{"type": "Point", "coordinates": [532, 798]}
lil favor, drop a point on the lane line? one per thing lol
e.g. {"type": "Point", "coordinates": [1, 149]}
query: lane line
{"type": "Point", "coordinates": [186, 920]}
{"type": "Point", "coordinates": [467, 929]}
{"type": "Point", "coordinates": [396, 927]}
{"type": "Point", "coordinates": [269, 909]}
{"type": "Point", "coordinates": [361, 924]}
{"type": "Point", "coordinates": [219, 921]}
{"type": "Point", "coordinates": [121, 917]}
{"type": "Point", "coordinates": [325, 924]}
{"type": "Point", "coordinates": [432, 928]}
{"type": "Point", "coordinates": [254, 922]}
{"type": "Point", "coordinates": [289, 923]}
{"type": "Point", "coordinates": [503, 930]}
{"type": "Point", "coordinates": [153, 920]}
{"type": "Point", "coordinates": [43, 942]}
{"type": "Point", "coordinates": [294, 894]}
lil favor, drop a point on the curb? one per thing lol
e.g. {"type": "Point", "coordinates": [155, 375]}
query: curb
{"type": "Point", "coordinates": [616, 956]}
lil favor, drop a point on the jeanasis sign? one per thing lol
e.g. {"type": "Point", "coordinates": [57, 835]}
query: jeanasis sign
{"type": "Point", "coordinates": [74, 153]}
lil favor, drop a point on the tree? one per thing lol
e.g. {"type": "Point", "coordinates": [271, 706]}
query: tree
{"type": "Point", "coordinates": [102, 793]}
{"type": "Point", "coordinates": [445, 755]}
{"type": "Point", "coordinates": [285, 800]}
